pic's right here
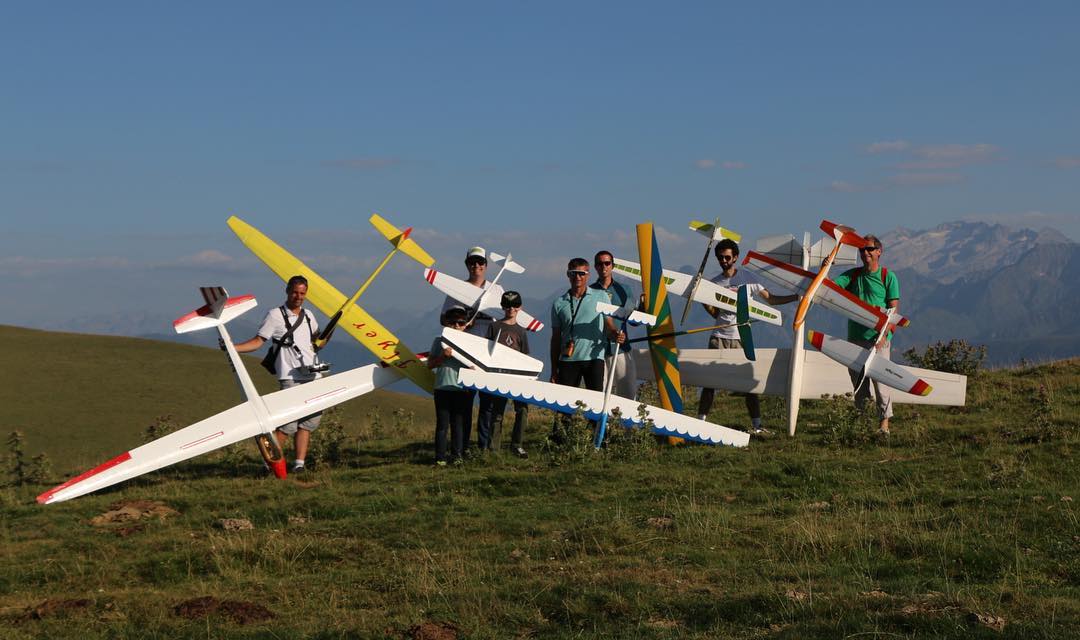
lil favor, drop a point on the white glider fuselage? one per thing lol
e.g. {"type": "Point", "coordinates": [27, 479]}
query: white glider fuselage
{"type": "Point", "coordinates": [476, 298]}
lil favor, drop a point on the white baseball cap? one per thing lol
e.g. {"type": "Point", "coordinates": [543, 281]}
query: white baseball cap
{"type": "Point", "coordinates": [476, 252]}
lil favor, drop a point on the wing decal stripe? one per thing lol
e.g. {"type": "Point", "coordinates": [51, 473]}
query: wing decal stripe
{"type": "Point", "coordinates": [120, 459]}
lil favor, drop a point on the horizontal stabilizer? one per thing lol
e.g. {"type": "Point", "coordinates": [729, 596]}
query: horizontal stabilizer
{"type": "Point", "coordinates": [843, 233]}
{"type": "Point", "coordinates": [401, 240]}
{"type": "Point", "coordinates": [565, 399]}
{"type": "Point", "coordinates": [507, 263]}
{"type": "Point", "coordinates": [634, 319]}
{"type": "Point", "coordinates": [782, 247]}
{"type": "Point", "coordinates": [218, 310]}
{"type": "Point", "coordinates": [713, 232]}
{"type": "Point", "coordinates": [488, 355]}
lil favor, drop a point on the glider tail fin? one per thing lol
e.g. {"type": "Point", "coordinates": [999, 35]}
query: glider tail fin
{"type": "Point", "coordinates": [507, 262]}
{"type": "Point", "coordinates": [401, 240]}
{"type": "Point", "coordinates": [218, 310]}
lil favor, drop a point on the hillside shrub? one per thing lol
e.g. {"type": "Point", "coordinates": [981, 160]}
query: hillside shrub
{"type": "Point", "coordinates": [845, 424]}
{"type": "Point", "coordinates": [328, 442]}
{"type": "Point", "coordinates": [161, 426]}
{"type": "Point", "coordinates": [625, 442]}
{"type": "Point", "coordinates": [20, 470]}
{"type": "Point", "coordinates": [954, 356]}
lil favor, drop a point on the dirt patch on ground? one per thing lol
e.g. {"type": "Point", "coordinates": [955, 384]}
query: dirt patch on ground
{"type": "Point", "coordinates": [126, 512]}
{"type": "Point", "coordinates": [433, 631]}
{"type": "Point", "coordinates": [50, 608]}
{"type": "Point", "coordinates": [237, 611]}
{"type": "Point", "coordinates": [235, 524]}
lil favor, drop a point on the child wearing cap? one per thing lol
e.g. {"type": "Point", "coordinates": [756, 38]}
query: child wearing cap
{"type": "Point", "coordinates": [505, 331]}
{"type": "Point", "coordinates": [452, 401]}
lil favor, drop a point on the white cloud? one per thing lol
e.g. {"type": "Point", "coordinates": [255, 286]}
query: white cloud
{"type": "Point", "coordinates": [28, 266]}
{"type": "Point", "coordinates": [362, 163]}
{"type": "Point", "coordinates": [705, 163]}
{"type": "Point", "coordinates": [924, 179]}
{"type": "Point", "coordinates": [887, 146]}
{"type": "Point", "coordinates": [206, 258]}
{"type": "Point", "coordinates": [733, 164]}
{"type": "Point", "coordinates": [1067, 162]}
{"type": "Point", "coordinates": [950, 156]}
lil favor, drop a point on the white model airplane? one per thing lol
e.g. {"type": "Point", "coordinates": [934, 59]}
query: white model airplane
{"type": "Point", "coordinates": [479, 300]}
{"type": "Point", "coordinates": [708, 292]}
{"type": "Point", "coordinates": [867, 362]}
{"type": "Point", "coordinates": [768, 375]}
{"type": "Point", "coordinates": [829, 294]}
{"type": "Point", "coordinates": [634, 318]}
{"type": "Point", "coordinates": [714, 232]}
{"type": "Point", "coordinates": [565, 399]}
{"type": "Point", "coordinates": [843, 235]}
{"type": "Point", "coordinates": [496, 369]}
{"type": "Point", "coordinates": [255, 418]}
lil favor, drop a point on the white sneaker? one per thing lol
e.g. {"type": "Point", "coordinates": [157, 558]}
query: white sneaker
{"type": "Point", "coordinates": [298, 467]}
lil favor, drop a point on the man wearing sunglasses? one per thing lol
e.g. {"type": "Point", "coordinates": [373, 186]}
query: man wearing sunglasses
{"type": "Point", "coordinates": [476, 268]}
{"type": "Point", "coordinates": [625, 382]}
{"type": "Point", "coordinates": [879, 287]}
{"type": "Point", "coordinates": [577, 331]}
{"type": "Point", "coordinates": [727, 336]}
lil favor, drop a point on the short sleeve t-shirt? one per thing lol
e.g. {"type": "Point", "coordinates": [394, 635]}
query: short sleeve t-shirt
{"type": "Point", "coordinates": [446, 374]}
{"type": "Point", "coordinates": [872, 289]}
{"type": "Point", "coordinates": [511, 335]}
{"type": "Point", "coordinates": [728, 317]}
{"type": "Point", "coordinates": [578, 318]}
{"type": "Point", "coordinates": [291, 360]}
{"type": "Point", "coordinates": [621, 296]}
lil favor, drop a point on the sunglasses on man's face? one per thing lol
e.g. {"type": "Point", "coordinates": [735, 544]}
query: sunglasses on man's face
{"type": "Point", "coordinates": [458, 323]}
{"type": "Point", "coordinates": [476, 263]}
{"type": "Point", "coordinates": [574, 273]}
{"type": "Point", "coordinates": [869, 249]}
{"type": "Point", "coordinates": [603, 264]}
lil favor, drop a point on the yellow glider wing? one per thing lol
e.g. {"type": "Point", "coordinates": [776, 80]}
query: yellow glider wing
{"type": "Point", "coordinates": [401, 240]}
{"type": "Point", "coordinates": [357, 322]}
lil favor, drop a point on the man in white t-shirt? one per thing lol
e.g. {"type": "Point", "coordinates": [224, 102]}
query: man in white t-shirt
{"type": "Point", "coordinates": [727, 254]}
{"type": "Point", "coordinates": [296, 356]}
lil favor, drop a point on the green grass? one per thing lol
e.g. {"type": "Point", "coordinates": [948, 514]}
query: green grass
{"type": "Point", "coordinates": [963, 512]}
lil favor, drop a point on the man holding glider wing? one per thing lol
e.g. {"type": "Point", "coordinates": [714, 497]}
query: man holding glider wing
{"type": "Point", "coordinates": [291, 330]}
{"type": "Point", "coordinates": [727, 254]}
{"type": "Point", "coordinates": [875, 285]}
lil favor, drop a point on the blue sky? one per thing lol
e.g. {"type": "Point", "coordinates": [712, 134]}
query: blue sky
{"type": "Point", "coordinates": [131, 131]}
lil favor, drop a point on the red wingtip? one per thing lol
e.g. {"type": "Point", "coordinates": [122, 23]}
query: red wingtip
{"type": "Point", "coordinates": [124, 457]}
{"type": "Point", "coordinates": [278, 467]}
{"type": "Point", "coordinates": [406, 232]}
{"type": "Point", "coordinates": [920, 388]}
{"type": "Point", "coordinates": [816, 338]}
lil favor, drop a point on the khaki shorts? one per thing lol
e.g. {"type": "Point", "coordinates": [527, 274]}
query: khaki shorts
{"type": "Point", "coordinates": [309, 423]}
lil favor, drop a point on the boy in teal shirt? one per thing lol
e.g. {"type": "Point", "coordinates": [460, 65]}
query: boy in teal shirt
{"type": "Point", "coordinates": [453, 403]}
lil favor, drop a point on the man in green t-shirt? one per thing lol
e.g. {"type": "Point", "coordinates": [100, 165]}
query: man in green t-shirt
{"type": "Point", "coordinates": [879, 287]}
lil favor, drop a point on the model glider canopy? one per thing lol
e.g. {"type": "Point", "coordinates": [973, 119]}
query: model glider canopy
{"type": "Point", "coordinates": [708, 292]}
{"type": "Point", "coordinates": [830, 295]}
{"type": "Point", "coordinates": [489, 355]}
{"type": "Point", "coordinates": [565, 399]}
{"type": "Point", "coordinates": [354, 319]}
{"type": "Point", "coordinates": [469, 295]}
{"type": "Point", "coordinates": [876, 367]}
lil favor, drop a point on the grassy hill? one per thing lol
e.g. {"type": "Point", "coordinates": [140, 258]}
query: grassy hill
{"type": "Point", "coordinates": [963, 524]}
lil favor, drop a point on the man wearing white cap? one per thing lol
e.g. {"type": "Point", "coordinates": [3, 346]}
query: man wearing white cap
{"type": "Point", "coordinates": [476, 265]}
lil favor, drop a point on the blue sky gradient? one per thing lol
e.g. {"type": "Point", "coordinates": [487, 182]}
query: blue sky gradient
{"type": "Point", "coordinates": [131, 131]}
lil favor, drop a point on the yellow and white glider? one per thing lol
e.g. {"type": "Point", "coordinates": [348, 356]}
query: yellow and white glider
{"type": "Point", "coordinates": [354, 319]}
